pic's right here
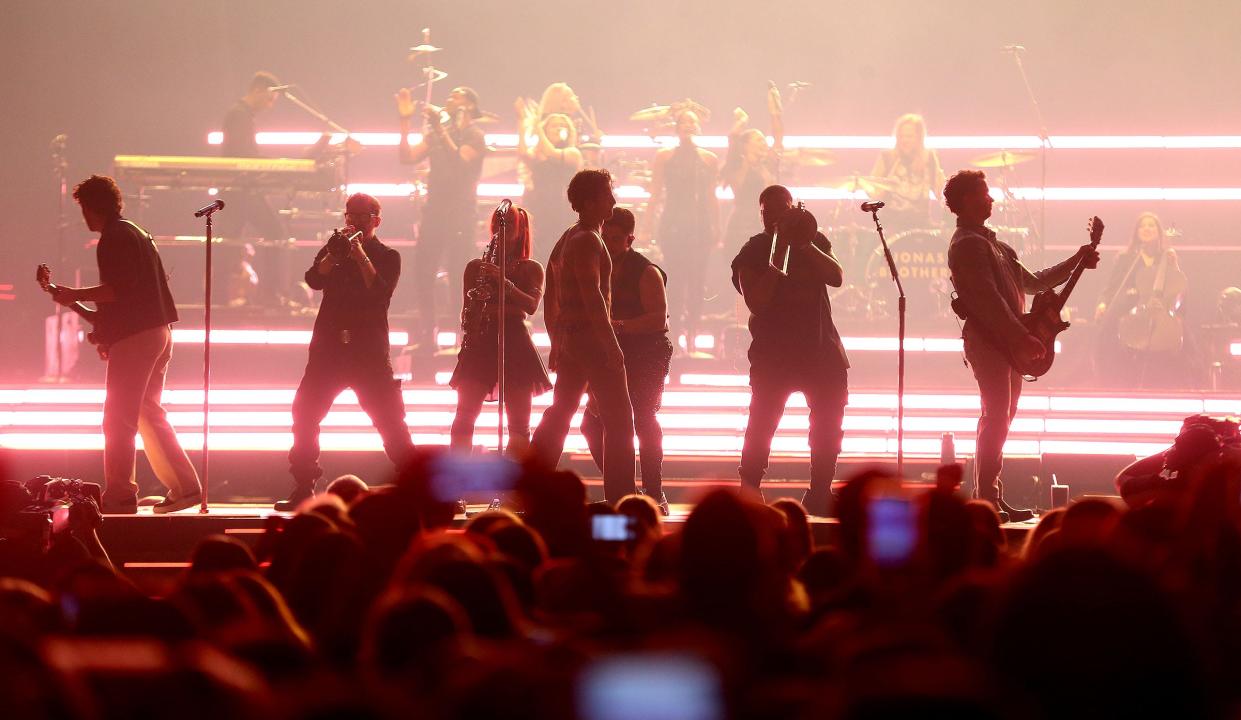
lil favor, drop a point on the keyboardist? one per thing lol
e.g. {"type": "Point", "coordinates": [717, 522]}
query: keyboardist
{"type": "Point", "coordinates": [248, 209]}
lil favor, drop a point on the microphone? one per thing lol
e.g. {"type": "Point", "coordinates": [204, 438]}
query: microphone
{"type": "Point", "coordinates": [214, 206]}
{"type": "Point", "coordinates": [280, 88]}
{"type": "Point", "coordinates": [871, 207]}
{"type": "Point", "coordinates": [1013, 48]}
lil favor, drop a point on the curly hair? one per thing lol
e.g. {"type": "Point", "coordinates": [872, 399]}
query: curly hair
{"type": "Point", "coordinates": [99, 194]}
{"type": "Point", "coordinates": [959, 185]}
{"type": "Point", "coordinates": [587, 184]}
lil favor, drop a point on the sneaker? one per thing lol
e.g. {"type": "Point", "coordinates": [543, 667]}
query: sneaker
{"type": "Point", "coordinates": [170, 504]}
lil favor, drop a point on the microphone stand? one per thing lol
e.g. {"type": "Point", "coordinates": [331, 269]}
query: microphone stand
{"type": "Point", "coordinates": [60, 165]}
{"type": "Point", "coordinates": [900, 347]}
{"type": "Point", "coordinates": [331, 125]}
{"type": "Point", "coordinates": [207, 360]}
{"type": "Point", "coordinates": [1044, 143]}
{"type": "Point", "coordinates": [502, 258]}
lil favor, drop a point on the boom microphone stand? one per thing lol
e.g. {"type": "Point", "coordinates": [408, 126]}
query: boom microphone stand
{"type": "Point", "coordinates": [207, 212]}
{"type": "Point", "coordinates": [873, 209]}
{"type": "Point", "coordinates": [327, 122]}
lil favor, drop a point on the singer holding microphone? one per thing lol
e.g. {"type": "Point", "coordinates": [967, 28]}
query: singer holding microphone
{"type": "Point", "coordinates": [783, 274]}
{"type": "Point", "coordinates": [349, 347]}
{"type": "Point", "coordinates": [133, 311]}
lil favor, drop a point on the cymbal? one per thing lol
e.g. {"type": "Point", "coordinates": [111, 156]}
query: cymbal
{"type": "Point", "coordinates": [811, 157]}
{"type": "Point", "coordinates": [423, 49]}
{"type": "Point", "coordinates": [1003, 158]}
{"type": "Point", "coordinates": [589, 147]}
{"type": "Point", "coordinates": [866, 183]}
{"type": "Point", "coordinates": [654, 112]}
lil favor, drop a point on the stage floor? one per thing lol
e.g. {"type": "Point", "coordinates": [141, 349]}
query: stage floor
{"type": "Point", "coordinates": [154, 550]}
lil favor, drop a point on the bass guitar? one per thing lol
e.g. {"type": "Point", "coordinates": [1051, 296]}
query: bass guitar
{"type": "Point", "coordinates": [1044, 322]}
{"type": "Point", "coordinates": [43, 276]}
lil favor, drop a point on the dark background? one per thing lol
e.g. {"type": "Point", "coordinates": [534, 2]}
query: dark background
{"type": "Point", "coordinates": [154, 77]}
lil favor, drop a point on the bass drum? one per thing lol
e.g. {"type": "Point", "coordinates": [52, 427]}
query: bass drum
{"type": "Point", "coordinates": [921, 257]}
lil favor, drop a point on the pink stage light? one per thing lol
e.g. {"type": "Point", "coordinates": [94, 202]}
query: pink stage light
{"type": "Point", "coordinates": [1145, 194]}
{"type": "Point", "coordinates": [1178, 406]}
{"type": "Point", "coordinates": [195, 336]}
{"type": "Point", "coordinates": [833, 142]}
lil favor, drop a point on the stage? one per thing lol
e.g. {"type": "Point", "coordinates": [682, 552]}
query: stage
{"type": "Point", "coordinates": [1080, 437]}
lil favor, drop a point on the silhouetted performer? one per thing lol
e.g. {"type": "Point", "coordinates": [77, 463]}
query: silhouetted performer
{"type": "Point", "coordinates": [585, 351]}
{"type": "Point", "coordinates": [134, 310]}
{"type": "Point", "coordinates": [524, 375]}
{"type": "Point", "coordinates": [683, 203]}
{"type": "Point", "coordinates": [640, 318]}
{"type": "Point", "coordinates": [454, 147]}
{"type": "Point", "coordinates": [248, 208]}
{"type": "Point", "coordinates": [991, 284]}
{"type": "Point", "coordinates": [783, 273]}
{"type": "Point", "coordinates": [349, 347]}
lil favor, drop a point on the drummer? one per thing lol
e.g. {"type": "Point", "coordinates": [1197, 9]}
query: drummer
{"type": "Point", "coordinates": [915, 174]}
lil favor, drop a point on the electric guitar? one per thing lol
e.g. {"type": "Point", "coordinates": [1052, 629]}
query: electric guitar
{"type": "Point", "coordinates": [1043, 321]}
{"type": "Point", "coordinates": [43, 276]}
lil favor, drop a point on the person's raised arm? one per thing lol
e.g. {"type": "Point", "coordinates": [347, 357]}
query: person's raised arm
{"type": "Point", "coordinates": [410, 155]}
{"type": "Point", "coordinates": [654, 298]}
{"type": "Point", "coordinates": [823, 265]}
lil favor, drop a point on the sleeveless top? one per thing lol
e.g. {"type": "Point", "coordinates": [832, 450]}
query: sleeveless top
{"type": "Point", "coordinates": [570, 308]}
{"type": "Point", "coordinates": [626, 292]}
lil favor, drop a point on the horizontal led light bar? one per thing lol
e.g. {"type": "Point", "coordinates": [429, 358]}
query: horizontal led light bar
{"type": "Point", "coordinates": [194, 336]}
{"type": "Point", "coordinates": [833, 142]}
{"type": "Point", "coordinates": [810, 193]}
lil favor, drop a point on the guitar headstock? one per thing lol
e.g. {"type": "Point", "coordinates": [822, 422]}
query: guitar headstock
{"type": "Point", "coordinates": [43, 276]}
{"type": "Point", "coordinates": [1096, 230]}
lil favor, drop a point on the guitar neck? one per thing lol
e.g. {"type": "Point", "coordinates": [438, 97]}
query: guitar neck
{"type": "Point", "coordinates": [1063, 297]}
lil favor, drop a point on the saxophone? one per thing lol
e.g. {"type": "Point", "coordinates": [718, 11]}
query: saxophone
{"type": "Point", "coordinates": [478, 313]}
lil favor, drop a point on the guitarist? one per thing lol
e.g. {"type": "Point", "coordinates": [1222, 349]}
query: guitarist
{"type": "Point", "coordinates": [991, 284]}
{"type": "Point", "coordinates": [134, 310]}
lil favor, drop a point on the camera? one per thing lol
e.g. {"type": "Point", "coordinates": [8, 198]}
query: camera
{"type": "Point", "coordinates": [34, 513]}
{"type": "Point", "coordinates": [1201, 438]}
{"type": "Point", "coordinates": [339, 242]}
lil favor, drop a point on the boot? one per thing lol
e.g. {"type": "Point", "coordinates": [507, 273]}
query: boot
{"type": "Point", "coordinates": [518, 443]}
{"type": "Point", "coordinates": [301, 493]}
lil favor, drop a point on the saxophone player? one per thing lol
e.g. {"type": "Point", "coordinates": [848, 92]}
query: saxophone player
{"type": "Point", "coordinates": [475, 377]}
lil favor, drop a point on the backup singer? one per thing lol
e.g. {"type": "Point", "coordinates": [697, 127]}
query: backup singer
{"type": "Point", "coordinates": [585, 351]}
{"type": "Point", "coordinates": [349, 346]}
{"type": "Point", "coordinates": [453, 145]}
{"type": "Point", "coordinates": [475, 375]}
{"type": "Point", "coordinates": [684, 209]}
{"type": "Point", "coordinates": [555, 157]}
{"type": "Point", "coordinates": [640, 319]}
{"type": "Point", "coordinates": [991, 284]}
{"type": "Point", "coordinates": [134, 310]}
{"type": "Point", "coordinates": [783, 274]}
